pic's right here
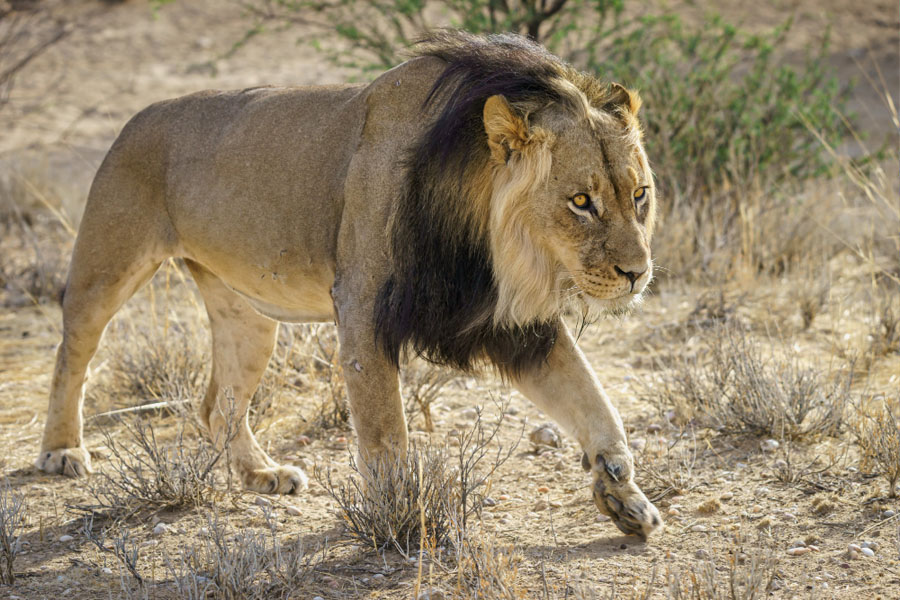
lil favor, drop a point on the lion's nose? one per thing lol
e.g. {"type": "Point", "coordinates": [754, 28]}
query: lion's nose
{"type": "Point", "coordinates": [631, 276]}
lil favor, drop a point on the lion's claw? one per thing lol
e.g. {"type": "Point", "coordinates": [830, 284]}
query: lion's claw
{"type": "Point", "coordinates": [72, 462]}
{"type": "Point", "coordinates": [617, 496]}
{"type": "Point", "coordinates": [276, 480]}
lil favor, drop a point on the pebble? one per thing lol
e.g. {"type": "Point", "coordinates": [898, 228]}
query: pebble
{"type": "Point", "coordinates": [106, 571]}
{"type": "Point", "coordinates": [432, 594]}
{"type": "Point", "coordinates": [292, 510]}
{"type": "Point", "coordinates": [799, 551]}
{"type": "Point", "coordinates": [160, 529]}
{"type": "Point", "coordinates": [603, 518]}
{"type": "Point", "coordinates": [769, 445]}
{"type": "Point", "coordinates": [780, 464]}
{"type": "Point", "coordinates": [701, 553]}
{"type": "Point", "coordinates": [853, 548]}
{"type": "Point", "coordinates": [260, 501]}
{"type": "Point", "coordinates": [654, 428]}
{"type": "Point", "coordinates": [673, 512]}
{"type": "Point", "coordinates": [488, 501]}
{"type": "Point", "coordinates": [318, 598]}
{"type": "Point", "coordinates": [469, 414]}
{"type": "Point", "coordinates": [638, 444]}
{"type": "Point", "coordinates": [799, 544]}
{"type": "Point", "coordinates": [543, 489]}
{"type": "Point", "coordinates": [699, 528]}
{"type": "Point", "coordinates": [304, 440]}
{"type": "Point", "coordinates": [868, 552]}
{"type": "Point", "coordinates": [726, 496]}
{"type": "Point", "coordinates": [378, 577]}
{"type": "Point", "coordinates": [872, 545]}
{"type": "Point", "coordinates": [545, 436]}
{"type": "Point", "coordinates": [66, 538]}
{"type": "Point", "coordinates": [503, 497]}
{"type": "Point", "coordinates": [539, 506]}
{"type": "Point", "coordinates": [888, 513]}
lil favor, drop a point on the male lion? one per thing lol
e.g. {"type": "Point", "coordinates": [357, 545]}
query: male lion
{"type": "Point", "coordinates": [452, 207]}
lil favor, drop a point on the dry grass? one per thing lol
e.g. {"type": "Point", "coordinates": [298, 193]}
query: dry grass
{"type": "Point", "coordinates": [234, 564]}
{"type": "Point", "coordinates": [877, 429]}
{"type": "Point", "coordinates": [734, 385]}
{"type": "Point", "coordinates": [422, 385]}
{"type": "Point", "coordinates": [144, 472]}
{"type": "Point", "coordinates": [12, 523]}
{"type": "Point", "coordinates": [423, 498]}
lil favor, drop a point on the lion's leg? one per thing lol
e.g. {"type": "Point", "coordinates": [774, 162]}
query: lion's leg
{"type": "Point", "coordinates": [242, 344]}
{"type": "Point", "coordinates": [93, 294]}
{"type": "Point", "coordinates": [567, 389]}
{"type": "Point", "coordinates": [373, 387]}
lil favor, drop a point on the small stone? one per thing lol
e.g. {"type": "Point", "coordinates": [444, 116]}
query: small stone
{"type": "Point", "coordinates": [432, 594]}
{"type": "Point", "coordinates": [868, 552]}
{"type": "Point", "coordinates": [539, 506]}
{"type": "Point", "coordinates": [769, 445]}
{"type": "Point", "coordinates": [853, 548]}
{"type": "Point", "coordinates": [503, 497]}
{"type": "Point", "coordinates": [160, 529]}
{"type": "Point", "coordinates": [654, 428]}
{"type": "Point", "coordinates": [699, 528]}
{"type": "Point", "coordinates": [469, 414]}
{"type": "Point", "coordinates": [487, 501]}
{"type": "Point", "coordinates": [701, 553]}
{"type": "Point", "coordinates": [888, 513]}
{"type": "Point", "coordinates": [545, 436]}
{"type": "Point", "coordinates": [638, 444]}
{"type": "Point", "coordinates": [378, 577]}
{"type": "Point", "coordinates": [780, 465]}
{"type": "Point", "coordinates": [799, 544]}
{"type": "Point", "coordinates": [673, 512]}
{"type": "Point", "coordinates": [870, 544]}
{"type": "Point", "coordinates": [813, 548]}
{"type": "Point", "coordinates": [263, 502]}
{"type": "Point", "coordinates": [603, 518]}
{"type": "Point", "coordinates": [726, 496]}
{"type": "Point", "coordinates": [543, 489]}
{"type": "Point", "coordinates": [318, 598]}
{"type": "Point", "coordinates": [106, 571]}
{"type": "Point", "coordinates": [304, 440]}
{"type": "Point", "coordinates": [487, 515]}
{"type": "Point", "coordinates": [798, 551]}
{"type": "Point", "coordinates": [292, 510]}
{"type": "Point", "coordinates": [66, 538]}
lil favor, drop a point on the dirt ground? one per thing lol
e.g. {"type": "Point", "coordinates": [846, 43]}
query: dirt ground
{"type": "Point", "coordinates": [729, 500]}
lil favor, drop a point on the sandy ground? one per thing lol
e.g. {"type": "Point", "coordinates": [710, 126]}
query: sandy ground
{"type": "Point", "coordinates": [58, 124]}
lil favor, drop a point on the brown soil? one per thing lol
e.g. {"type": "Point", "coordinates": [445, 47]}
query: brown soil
{"type": "Point", "coordinates": [67, 108]}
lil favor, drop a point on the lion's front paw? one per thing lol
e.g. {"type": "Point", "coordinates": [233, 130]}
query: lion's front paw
{"type": "Point", "coordinates": [617, 496]}
{"type": "Point", "coordinates": [276, 480]}
{"type": "Point", "coordinates": [73, 462]}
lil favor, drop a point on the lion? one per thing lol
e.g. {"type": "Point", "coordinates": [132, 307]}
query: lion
{"type": "Point", "coordinates": [451, 208]}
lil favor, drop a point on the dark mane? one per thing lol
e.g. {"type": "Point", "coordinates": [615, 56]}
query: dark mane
{"type": "Point", "coordinates": [441, 294]}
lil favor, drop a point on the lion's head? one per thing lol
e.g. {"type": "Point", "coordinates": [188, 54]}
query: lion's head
{"type": "Point", "coordinates": [529, 188]}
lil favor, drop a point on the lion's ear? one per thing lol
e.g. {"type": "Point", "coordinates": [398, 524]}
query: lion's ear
{"type": "Point", "coordinates": [506, 131]}
{"type": "Point", "coordinates": [619, 97]}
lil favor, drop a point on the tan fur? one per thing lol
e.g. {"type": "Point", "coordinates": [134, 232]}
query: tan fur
{"type": "Point", "coordinates": [281, 200]}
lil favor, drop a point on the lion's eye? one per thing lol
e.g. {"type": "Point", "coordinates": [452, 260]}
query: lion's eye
{"type": "Point", "coordinates": [581, 201]}
{"type": "Point", "coordinates": [639, 194]}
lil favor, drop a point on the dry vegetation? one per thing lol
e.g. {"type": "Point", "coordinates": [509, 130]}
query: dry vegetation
{"type": "Point", "coordinates": [758, 386]}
